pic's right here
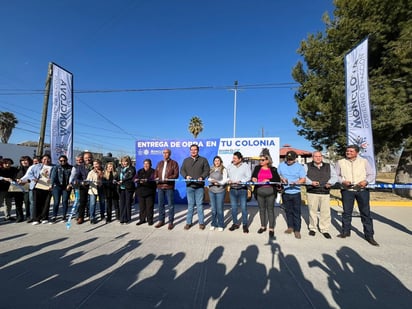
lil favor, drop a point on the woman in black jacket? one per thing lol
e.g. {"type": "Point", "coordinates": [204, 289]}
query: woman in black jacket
{"type": "Point", "coordinates": [146, 192]}
{"type": "Point", "coordinates": [126, 189]}
{"type": "Point", "coordinates": [111, 194]}
{"type": "Point", "coordinates": [7, 175]}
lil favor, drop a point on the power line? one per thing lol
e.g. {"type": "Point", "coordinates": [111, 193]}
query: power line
{"type": "Point", "coordinates": [107, 119]}
{"type": "Point", "coordinates": [284, 85]}
{"type": "Point", "coordinates": [83, 138]}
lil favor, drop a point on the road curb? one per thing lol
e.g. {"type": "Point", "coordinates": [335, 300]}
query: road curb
{"type": "Point", "coordinates": [384, 203]}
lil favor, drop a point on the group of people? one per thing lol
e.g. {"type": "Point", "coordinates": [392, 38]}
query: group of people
{"type": "Point", "coordinates": [116, 187]}
{"type": "Point", "coordinates": [352, 172]}
{"type": "Point", "coordinates": [37, 180]}
{"type": "Point", "coordinates": [8, 192]}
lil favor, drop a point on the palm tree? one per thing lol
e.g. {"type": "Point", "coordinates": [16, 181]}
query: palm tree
{"type": "Point", "coordinates": [7, 123]}
{"type": "Point", "coordinates": [195, 126]}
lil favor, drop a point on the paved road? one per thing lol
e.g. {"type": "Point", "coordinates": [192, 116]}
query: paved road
{"type": "Point", "coordinates": [129, 266]}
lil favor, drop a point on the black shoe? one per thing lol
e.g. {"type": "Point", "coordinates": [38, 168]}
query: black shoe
{"type": "Point", "coordinates": [261, 230]}
{"type": "Point", "coordinates": [140, 222]}
{"type": "Point", "coordinates": [150, 223]}
{"type": "Point", "coordinates": [327, 235]}
{"type": "Point", "coordinates": [312, 233]}
{"type": "Point", "coordinates": [372, 241]}
{"type": "Point", "coordinates": [271, 234]}
{"type": "Point", "coordinates": [344, 235]}
{"type": "Point", "coordinates": [234, 227]}
{"type": "Point", "coordinates": [245, 229]}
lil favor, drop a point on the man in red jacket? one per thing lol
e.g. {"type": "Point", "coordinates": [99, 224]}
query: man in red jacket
{"type": "Point", "coordinates": [166, 169]}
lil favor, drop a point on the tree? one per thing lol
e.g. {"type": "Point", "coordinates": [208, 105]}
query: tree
{"type": "Point", "coordinates": [195, 126]}
{"type": "Point", "coordinates": [321, 116]}
{"type": "Point", "coordinates": [7, 123]}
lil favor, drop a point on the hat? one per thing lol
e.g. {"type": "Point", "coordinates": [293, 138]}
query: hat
{"type": "Point", "coordinates": [291, 155]}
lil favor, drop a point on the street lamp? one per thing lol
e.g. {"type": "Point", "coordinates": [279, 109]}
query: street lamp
{"type": "Point", "coordinates": [234, 109]}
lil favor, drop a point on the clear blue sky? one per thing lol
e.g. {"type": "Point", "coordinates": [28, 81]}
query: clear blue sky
{"type": "Point", "coordinates": [151, 44]}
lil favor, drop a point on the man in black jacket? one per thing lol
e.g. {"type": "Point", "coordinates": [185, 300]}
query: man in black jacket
{"type": "Point", "coordinates": [195, 170]}
{"type": "Point", "coordinates": [60, 176]}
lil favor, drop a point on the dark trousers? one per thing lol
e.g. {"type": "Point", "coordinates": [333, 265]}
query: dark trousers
{"type": "Point", "coordinates": [111, 203]}
{"type": "Point", "coordinates": [83, 200]}
{"type": "Point", "coordinates": [146, 207]}
{"type": "Point", "coordinates": [292, 204]}
{"type": "Point", "coordinates": [348, 200]}
{"type": "Point", "coordinates": [26, 199]}
{"type": "Point", "coordinates": [18, 202]}
{"type": "Point", "coordinates": [125, 207]}
{"type": "Point", "coordinates": [42, 202]}
{"type": "Point", "coordinates": [102, 201]}
{"type": "Point", "coordinates": [266, 202]}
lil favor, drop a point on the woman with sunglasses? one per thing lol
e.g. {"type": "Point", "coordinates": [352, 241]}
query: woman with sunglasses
{"type": "Point", "coordinates": [266, 193]}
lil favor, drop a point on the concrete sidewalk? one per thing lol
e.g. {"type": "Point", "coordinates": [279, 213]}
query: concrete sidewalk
{"type": "Point", "coordinates": [129, 266]}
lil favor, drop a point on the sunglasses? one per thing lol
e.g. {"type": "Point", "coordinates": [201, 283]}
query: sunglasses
{"type": "Point", "coordinates": [261, 160]}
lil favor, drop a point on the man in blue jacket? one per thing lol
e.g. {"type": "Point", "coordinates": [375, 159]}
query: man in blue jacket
{"type": "Point", "coordinates": [292, 174]}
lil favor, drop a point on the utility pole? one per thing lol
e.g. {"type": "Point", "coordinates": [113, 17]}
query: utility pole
{"type": "Point", "coordinates": [45, 107]}
{"type": "Point", "coordinates": [234, 109]}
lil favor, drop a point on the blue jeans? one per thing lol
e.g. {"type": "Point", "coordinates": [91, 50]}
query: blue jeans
{"type": "Point", "coordinates": [239, 197]}
{"type": "Point", "coordinates": [64, 195]}
{"type": "Point", "coordinates": [195, 197]}
{"type": "Point", "coordinates": [348, 200]}
{"type": "Point", "coordinates": [292, 204]}
{"type": "Point", "coordinates": [216, 203]}
{"type": "Point", "coordinates": [161, 195]}
{"type": "Point", "coordinates": [92, 206]}
{"type": "Point", "coordinates": [32, 206]}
